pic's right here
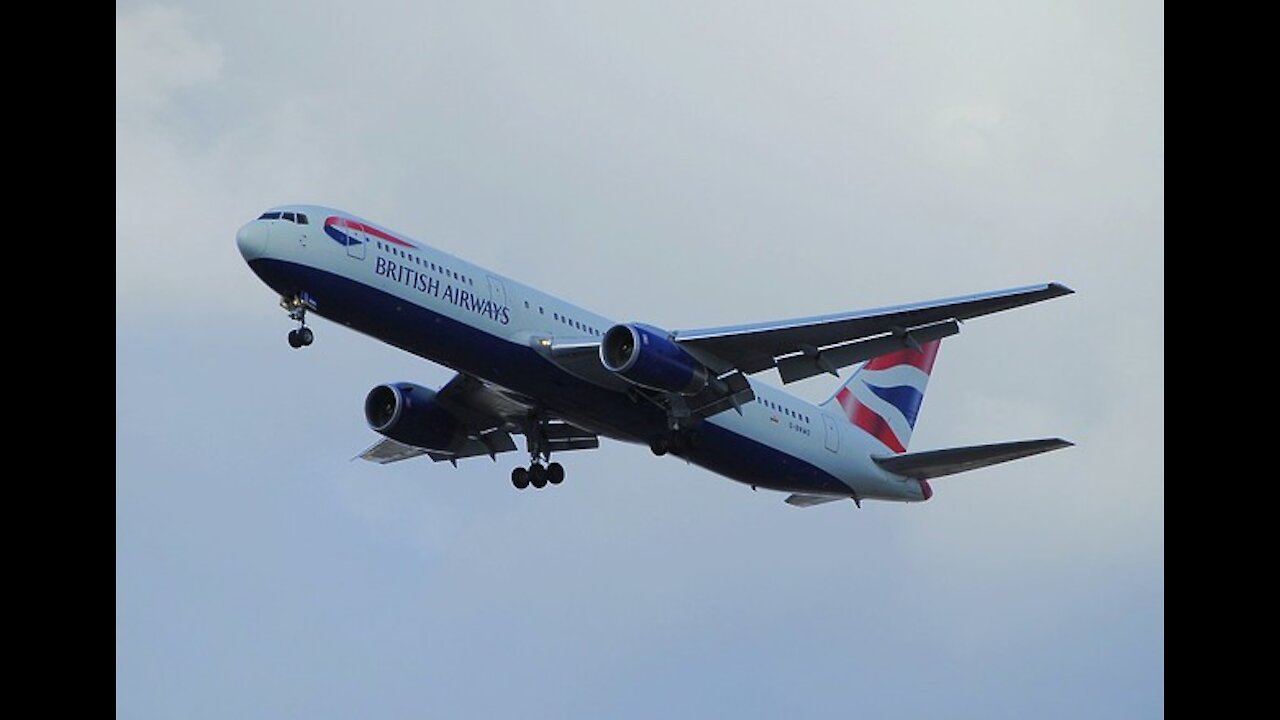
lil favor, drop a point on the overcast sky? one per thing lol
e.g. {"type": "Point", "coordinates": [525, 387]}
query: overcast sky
{"type": "Point", "coordinates": [685, 164]}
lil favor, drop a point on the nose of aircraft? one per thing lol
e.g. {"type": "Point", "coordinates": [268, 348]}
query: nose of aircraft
{"type": "Point", "coordinates": [252, 240]}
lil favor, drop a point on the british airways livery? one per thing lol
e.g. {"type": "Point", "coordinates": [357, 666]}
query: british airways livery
{"type": "Point", "coordinates": [562, 376]}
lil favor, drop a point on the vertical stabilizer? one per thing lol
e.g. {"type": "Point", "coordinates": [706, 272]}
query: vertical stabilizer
{"type": "Point", "coordinates": [883, 396]}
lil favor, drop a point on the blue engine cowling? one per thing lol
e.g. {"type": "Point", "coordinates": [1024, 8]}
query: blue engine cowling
{"type": "Point", "coordinates": [646, 356]}
{"type": "Point", "coordinates": [409, 414]}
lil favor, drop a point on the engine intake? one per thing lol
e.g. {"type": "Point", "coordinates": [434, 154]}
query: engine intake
{"type": "Point", "coordinates": [646, 356]}
{"type": "Point", "coordinates": [409, 414]}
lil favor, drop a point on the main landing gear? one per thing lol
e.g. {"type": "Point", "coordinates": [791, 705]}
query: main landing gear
{"type": "Point", "coordinates": [535, 436]}
{"type": "Point", "coordinates": [298, 305]}
{"type": "Point", "coordinates": [676, 442]}
{"type": "Point", "coordinates": [537, 475]}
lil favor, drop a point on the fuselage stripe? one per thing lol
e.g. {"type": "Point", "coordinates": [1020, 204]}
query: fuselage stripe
{"type": "Point", "coordinates": [336, 221]}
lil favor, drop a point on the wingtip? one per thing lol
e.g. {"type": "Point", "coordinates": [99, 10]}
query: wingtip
{"type": "Point", "coordinates": [1059, 289]}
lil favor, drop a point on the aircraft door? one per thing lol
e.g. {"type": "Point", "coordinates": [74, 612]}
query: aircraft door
{"type": "Point", "coordinates": [497, 293]}
{"type": "Point", "coordinates": [833, 434]}
{"type": "Point", "coordinates": [356, 248]}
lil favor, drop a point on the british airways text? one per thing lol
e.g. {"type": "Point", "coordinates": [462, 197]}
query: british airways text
{"type": "Point", "coordinates": [432, 286]}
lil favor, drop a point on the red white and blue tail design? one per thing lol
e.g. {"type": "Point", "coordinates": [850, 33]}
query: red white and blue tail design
{"type": "Point", "coordinates": [883, 396]}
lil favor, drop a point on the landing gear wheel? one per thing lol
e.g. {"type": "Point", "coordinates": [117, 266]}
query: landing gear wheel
{"type": "Point", "coordinates": [537, 476]}
{"type": "Point", "coordinates": [659, 446]}
{"type": "Point", "coordinates": [520, 478]}
{"type": "Point", "coordinates": [298, 305]}
{"type": "Point", "coordinates": [555, 473]}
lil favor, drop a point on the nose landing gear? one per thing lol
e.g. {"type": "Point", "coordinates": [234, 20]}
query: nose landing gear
{"type": "Point", "coordinates": [301, 337]}
{"type": "Point", "coordinates": [298, 305]}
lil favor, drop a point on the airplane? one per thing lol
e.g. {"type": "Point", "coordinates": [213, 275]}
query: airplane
{"type": "Point", "coordinates": [531, 364]}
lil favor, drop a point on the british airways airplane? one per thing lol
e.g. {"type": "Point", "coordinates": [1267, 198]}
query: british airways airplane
{"type": "Point", "coordinates": [531, 364]}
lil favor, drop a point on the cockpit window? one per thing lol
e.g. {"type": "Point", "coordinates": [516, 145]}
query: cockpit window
{"type": "Point", "coordinates": [299, 218]}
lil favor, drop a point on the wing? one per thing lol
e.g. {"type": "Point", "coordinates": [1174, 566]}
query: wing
{"type": "Point", "coordinates": [937, 463]}
{"type": "Point", "coordinates": [581, 357]}
{"type": "Point", "coordinates": [387, 450]}
{"type": "Point", "coordinates": [488, 414]}
{"type": "Point", "coordinates": [805, 347]}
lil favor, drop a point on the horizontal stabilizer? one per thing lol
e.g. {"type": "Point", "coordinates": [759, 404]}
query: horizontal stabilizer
{"type": "Point", "coordinates": [937, 463]}
{"type": "Point", "coordinates": [811, 500]}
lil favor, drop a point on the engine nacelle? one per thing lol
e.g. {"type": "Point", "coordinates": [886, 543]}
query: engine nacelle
{"type": "Point", "coordinates": [409, 414]}
{"type": "Point", "coordinates": [644, 355]}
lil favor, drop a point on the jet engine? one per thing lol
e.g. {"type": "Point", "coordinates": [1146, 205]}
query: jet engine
{"type": "Point", "coordinates": [409, 414]}
{"type": "Point", "coordinates": [648, 357]}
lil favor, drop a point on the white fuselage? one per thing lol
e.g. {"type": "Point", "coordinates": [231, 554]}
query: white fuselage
{"type": "Point", "coordinates": [478, 322]}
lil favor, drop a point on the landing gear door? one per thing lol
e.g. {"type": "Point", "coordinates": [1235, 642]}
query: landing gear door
{"type": "Point", "coordinates": [833, 434]}
{"type": "Point", "coordinates": [356, 247]}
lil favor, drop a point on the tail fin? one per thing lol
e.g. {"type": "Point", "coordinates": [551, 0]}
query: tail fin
{"type": "Point", "coordinates": [883, 396]}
